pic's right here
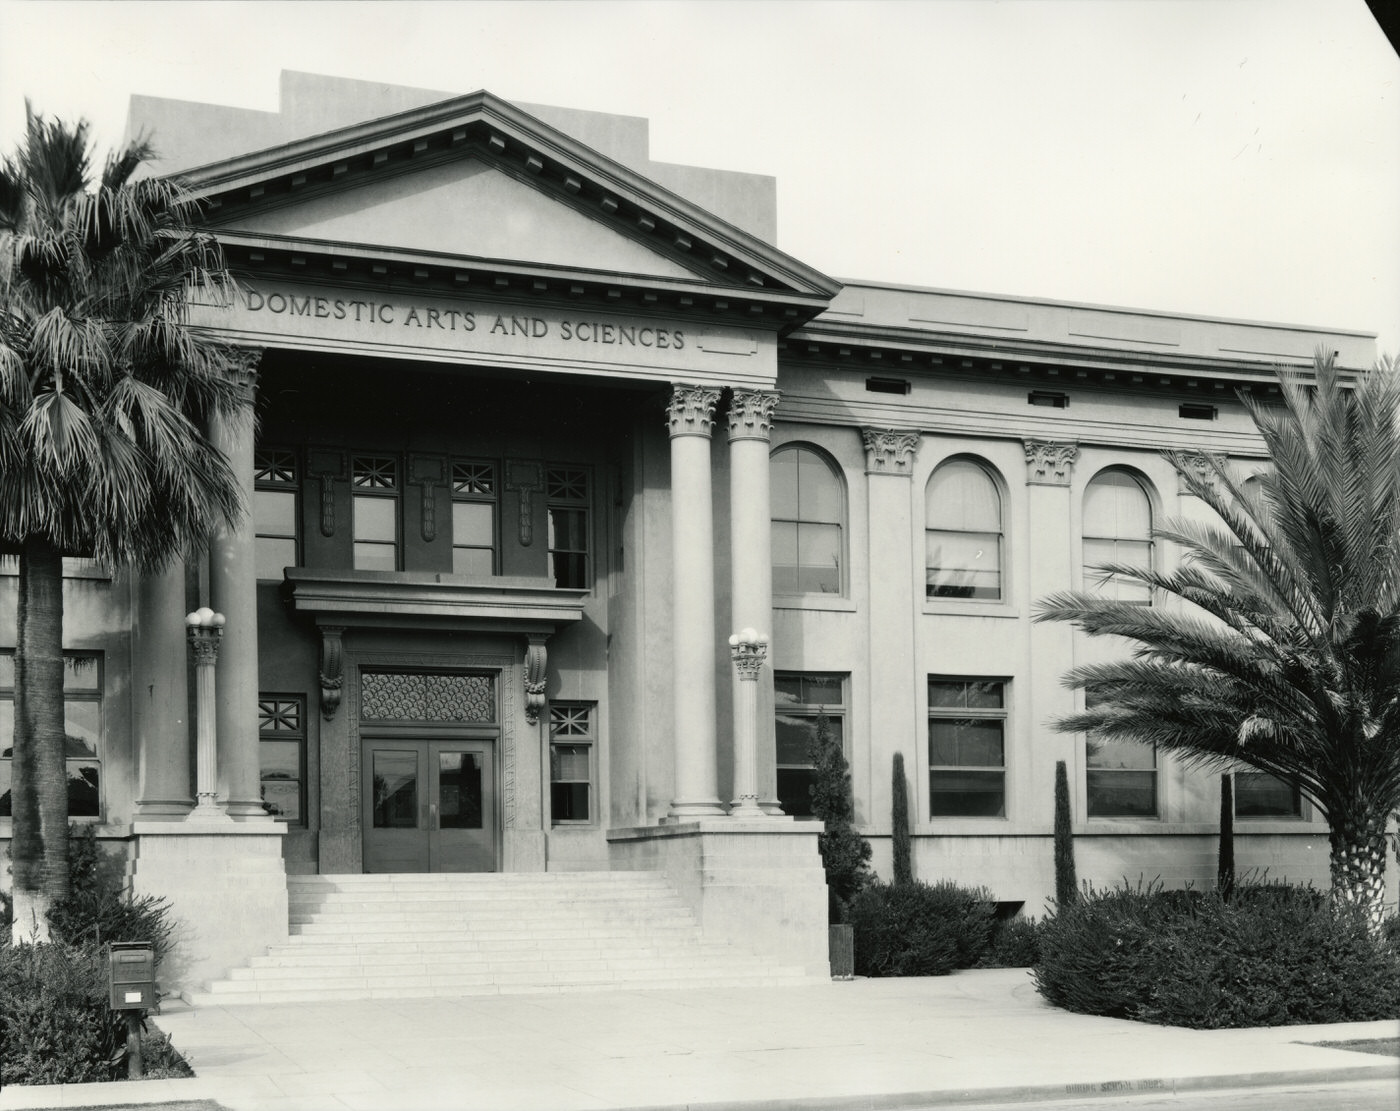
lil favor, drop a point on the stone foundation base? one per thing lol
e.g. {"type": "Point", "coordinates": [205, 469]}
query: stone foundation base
{"type": "Point", "coordinates": [758, 885]}
{"type": "Point", "coordinates": [227, 892]}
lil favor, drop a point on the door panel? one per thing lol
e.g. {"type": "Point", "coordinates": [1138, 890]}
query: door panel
{"type": "Point", "coordinates": [429, 806]}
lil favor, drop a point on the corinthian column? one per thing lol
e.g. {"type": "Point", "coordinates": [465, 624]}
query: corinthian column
{"type": "Point", "coordinates": [690, 417]}
{"type": "Point", "coordinates": [751, 570]}
{"type": "Point", "coordinates": [233, 592]}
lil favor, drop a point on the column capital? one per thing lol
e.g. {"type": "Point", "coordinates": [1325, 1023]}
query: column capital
{"type": "Point", "coordinates": [1049, 463]}
{"type": "Point", "coordinates": [890, 450]}
{"type": "Point", "coordinates": [1204, 467]}
{"type": "Point", "coordinates": [751, 414]}
{"type": "Point", "coordinates": [691, 410]}
{"type": "Point", "coordinates": [242, 368]}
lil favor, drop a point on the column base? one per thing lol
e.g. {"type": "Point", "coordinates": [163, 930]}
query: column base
{"type": "Point", "coordinates": [689, 810]}
{"type": "Point", "coordinates": [208, 813]}
{"type": "Point", "coordinates": [246, 808]}
{"type": "Point", "coordinates": [163, 808]}
{"type": "Point", "coordinates": [746, 809]}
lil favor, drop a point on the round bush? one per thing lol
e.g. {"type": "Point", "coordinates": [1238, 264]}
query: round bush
{"type": "Point", "coordinates": [55, 1026]}
{"type": "Point", "coordinates": [918, 929]}
{"type": "Point", "coordinates": [1270, 955]}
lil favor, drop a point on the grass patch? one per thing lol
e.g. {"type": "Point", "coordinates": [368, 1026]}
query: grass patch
{"type": "Point", "coordinates": [1384, 1047]}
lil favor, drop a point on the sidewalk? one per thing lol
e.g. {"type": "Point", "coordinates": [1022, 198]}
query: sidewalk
{"type": "Point", "coordinates": [982, 1035]}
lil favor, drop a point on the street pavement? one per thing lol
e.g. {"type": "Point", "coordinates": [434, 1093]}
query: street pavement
{"type": "Point", "coordinates": [979, 1037]}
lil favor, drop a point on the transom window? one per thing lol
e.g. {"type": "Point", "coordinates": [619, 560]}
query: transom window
{"type": "Point", "coordinates": [566, 492]}
{"type": "Point", "coordinates": [572, 750]}
{"type": "Point", "coordinates": [963, 533]}
{"type": "Point", "coordinates": [275, 485]}
{"type": "Point", "coordinates": [474, 491]}
{"type": "Point", "coordinates": [82, 729]}
{"type": "Point", "coordinates": [375, 500]}
{"type": "Point", "coordinates": [808, 515]}
{"type": "Point", "coordinates": [801, 699]}
{"type": "Point", "coordinates": [282, 756]}
{"type": "Point", "coordinates": [1117, 529]}
{"type": "Point", "coordinates": [967, 748]}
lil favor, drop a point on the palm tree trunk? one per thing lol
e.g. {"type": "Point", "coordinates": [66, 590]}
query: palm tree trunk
{"type": "Point", "coordinates": [1358, 863]}
{"type": "Point", "coordinates": [39, 709]}
{"type": "Point", "coordinates": [30, 923]}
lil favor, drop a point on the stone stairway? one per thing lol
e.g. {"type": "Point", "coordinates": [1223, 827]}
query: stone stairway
{"type": "Point", "coordinates": [400, 936]}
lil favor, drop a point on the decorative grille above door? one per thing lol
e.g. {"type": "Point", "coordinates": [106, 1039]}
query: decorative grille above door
{"type": "Point", "coordinates": [424, 696]}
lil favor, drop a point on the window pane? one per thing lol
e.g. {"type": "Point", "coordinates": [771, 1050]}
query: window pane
{"type": "Point", "coordinates": [782, 484]}
{"type": "Point", "coordinates": [6, 803]}
{"type": "Point", "coordinates": [1116, 505]}
{"type": "Point", "coordinates": [963, 564]}
{"type": "Point", "coordinates": [84, 794]}
{"type": "Point", "coordinates": [81, 673]}
{"type": "Point", "coordinates": [1260, 795]}
{"type": "Point", "coordinates": [473, 524]}
{"type": "Point", "coordinates": [275, 512]}
{"type": "Point", "coordinates": [962, 497]}
{"type": "Point", "coordinates": [272, 556]}
{"type": "Point", "coordinates": [967, 742]}
{"type": "Point", "coordinates": [967, 794]}
{"type": "Point", "coordinates": [794, 735]}
{"type": "Point", "coordinates": [81, 724]}
{"type": "Point", "coordinates": [281, 799]}
{"type": "Point", "coordinates": [476, 562]}
{"type": "Point", "coordinates": [567, 529]}
{"type": "Point", "coordinates": [960, 693]}
{"type": "Point", "coordinates": [569, 762]}
{"type": "Point", "coordinates": [794, 791]}
{"type": "Point", "coordinates": [570, 570]}
{"type": "Point", "coordinates": [376, 519]}
{"type": "Point", "coordinates": [818, 492]}
{"type": "Point", "coordinates": [1120, 794]}
{"type": "Point", "coordinates": [395, 790]}
{"type": "Point", "coordinates": [821, 690]}
{"type": "Point", "coordinates": [784, 541]}
{"type": "Point", "coordinates": [7, 670]}
{"type": "Point", "coordinates": [376, 557]}
{"type": "Point", "coordinates": [819, 559]}
{"type": "Point", "coordinates": [459, 790]}
{"type": "Point", "coordinates": [1121, 755]}
{"type": "Point", "coordinates": [568, 802]}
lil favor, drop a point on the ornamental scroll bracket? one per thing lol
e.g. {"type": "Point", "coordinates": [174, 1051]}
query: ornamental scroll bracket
{"type": "Point", "coordinates": [327, 466]}
{"type": "Point", "coordinates": [535, 659]}
{"type": "Point", "coordinates": [332, 675]}
{"type": "Point", "coordinates": [1049, 463]}
{"type": "Point", "coordinates": [525, 477]}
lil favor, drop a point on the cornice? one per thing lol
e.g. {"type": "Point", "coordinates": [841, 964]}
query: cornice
{"type": "Point", "coordinates": [369, 267]}
{"type": "Point", "coordinates": [528, 148]}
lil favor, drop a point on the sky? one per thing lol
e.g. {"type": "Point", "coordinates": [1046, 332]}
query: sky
{"type": "Point", "coordinates": [1230, 158]}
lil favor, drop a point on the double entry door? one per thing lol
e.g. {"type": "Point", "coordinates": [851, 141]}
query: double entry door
{"type": "Point", "coordinates": [429, 805]}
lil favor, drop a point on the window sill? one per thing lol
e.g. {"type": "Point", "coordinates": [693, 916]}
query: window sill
{"type": "Point", "coordinates": [936, 608]}
{"type": "Point", "coordinates": [833, 603]}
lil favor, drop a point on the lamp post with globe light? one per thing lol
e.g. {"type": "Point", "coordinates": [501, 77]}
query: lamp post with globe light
{"type": "Point", "coordinates": [205, 629]}
{"type": "Point", "coordinates": [747, 648]}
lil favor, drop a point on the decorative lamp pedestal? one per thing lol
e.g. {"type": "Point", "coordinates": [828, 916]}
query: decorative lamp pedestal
{"type": "Point", "coordinates": [748, 650]}
{"type": "Point", "coordinates": [206, 630]}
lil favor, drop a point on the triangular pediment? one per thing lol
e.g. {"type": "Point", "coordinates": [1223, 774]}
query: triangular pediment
{"type": "Point", "coordinates": [478, 178]}
{"type": "Point", "coordinates": [461, 207]}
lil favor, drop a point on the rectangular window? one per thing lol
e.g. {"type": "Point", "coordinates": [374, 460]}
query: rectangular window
{"type": "Point", "coordinates": [275, 482]}
{"type": "Point", "coordinates": [474, 487]}
{"type": "Point", "coordinates": [82, 719]}
{"type": "Point", "coordinates": [1261, 795]}
{"type": "Point", "coordinates": [1120, 778]}
{"type": "Point", "coordinates": [967, 748]}
{"type": "Point", "coordinates": [800, 700]}
{"type": "Point", "coordinates": [572, 749]}
{"type": "Point", "coordinates": [566, 491]}
{"type": "Point", "coordinates": [375, 482]}
{"type": "Point", "coordinates": [282, 756]}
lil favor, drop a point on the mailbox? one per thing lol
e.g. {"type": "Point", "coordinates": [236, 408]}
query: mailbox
{"type": "Point", "coordinates": [131, 973]}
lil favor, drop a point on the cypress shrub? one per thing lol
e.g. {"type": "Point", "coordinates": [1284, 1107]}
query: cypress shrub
{"type": "Point", "coordinates": [903, 854]}
{"type": "Point", "coordinates": [845, 853]}
{"type": "Point", "coordinates": [1225, 867]}
{"type": "Point", "coordinates": [1066, 882]}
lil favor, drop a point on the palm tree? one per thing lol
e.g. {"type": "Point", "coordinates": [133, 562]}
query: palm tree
{"type": "Point", "coordinates": [1279, 643]}
{"type": "Point", "coordinates": [104, 387]}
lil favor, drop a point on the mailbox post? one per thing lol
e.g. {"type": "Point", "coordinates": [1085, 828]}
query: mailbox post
{"type": "Point", "coordinates": [131, 979]}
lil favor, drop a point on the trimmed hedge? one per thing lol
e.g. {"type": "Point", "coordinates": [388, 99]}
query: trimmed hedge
{"type": "Point", "coordinates": [920, 929]}
{"type": "Point", "coordinates": [1269, 955]}
{"type": "Point", "coordinates": [55, 1026]}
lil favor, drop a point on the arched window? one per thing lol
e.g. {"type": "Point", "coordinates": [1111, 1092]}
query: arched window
{"type": "Point", "coordinates": [808, 514]}
{"type": "Point", "coordinates": [1117, 529]}
{"type": "Point", "coordinates": [962, 536]}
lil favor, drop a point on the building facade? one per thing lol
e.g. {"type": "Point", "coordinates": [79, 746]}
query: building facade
{"type": "Point", "coordinates": [534, 424]}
